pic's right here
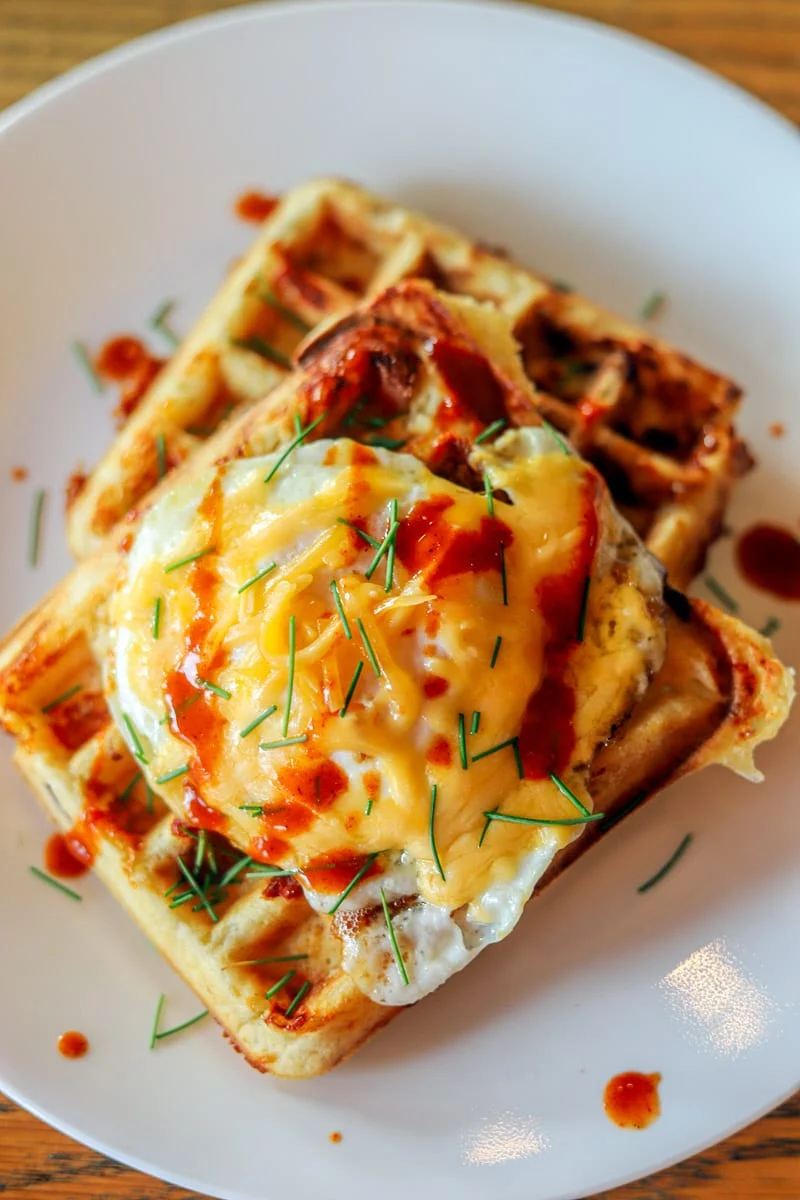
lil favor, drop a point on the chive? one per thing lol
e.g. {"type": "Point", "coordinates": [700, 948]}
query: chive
{"type": "Point", "coordinates": [436, 859]}
{"type": "Point", "coordinates": [573, 799]}
{"type": "Point", "coordinates": [200, 853]}
{"type": "Point", "coordinates": [134, 738]}
{"type": "Point", "coordinates": [184, 562]}
{"type": "Point", "coordinates": [393, 520]}
{"type": "Point", "coordinates": [269, 298]}
{"type": "Point", "coordinates": [186, 1024]}
{"type": "Point", "coordinates": [487, 823]}
{"type": "Point", "coordinates": [161, 454]}
{"type": "Point", "coordinates": [490, 430]}
{"type": "Point", "coordinates": [298, 424]}
{"type": "Point", "coordinates": [368, 646]}
{"type": "Point", "coordinates": [584, 607]}
{"type": "Point", "coordinates": [235, 870]}
{"type": "Point", "coordinates": [382, 443]}
{"type": "Point", "coordinates": [493, 749]}
{"type": "Point", "coordinates": [195, 886]}
{"type": "Point", "coordinates": [401, 966]}
{"type": "Point", "coordinates": [85, 361]}
{"type": "Point", "coordinates": [614, 818]}
{"type": "Point", "coordinates": [476, 722]}
{"type": "Point", "coordinates": [668, 865]}
{"type": "Point", "coordinates": [772, 626]}
{"type": "Point", "coordinates": [158, 321]}
{"type": "Point", "coordinates": [253, 810]}
{"type": "Point", "coordinates": [156, 1020]}
{"type": "Point", "coordinates": [551, 429]}
{"type": "Point", "coordinates": [276, 987]}
{"type": "Point", "coordinates": [149, 791]}
{"type": "Point", "coordinates": [303, 990]}
{"type": "Point", "coordinates": [353, 883]}
{"type": "Point", "coordinates": [518, 758]}
{"type": "Point", "coordinates": [495, 652]}
{"type": "Point", "coordinates": [351, 689]}
{"type": "Point", "coordinates": [362, 533]}
{"type": "Point", "coordinates": [382, 549]}
{"type": "Point", "coordinates": [212, 860]}
{"type": "Point", "coordinates": [652, 306]}
{"type": "Point", "coordinates": [36, 527]}
{"type": "Point", "coordinates": [256, 578]}
{"type": "Point", "coordinates": [293, 741]}
{"type": "Point", "coordinates": [290, 681]}
{"type": "Point", "coordinates": [156, 617]}
{"type": "Point", "coordinates": [124, 795]}
{"type": "Point", "coordinates": [73, 691]}
{"type": "Point", "coordinates": [179, 900]}
{"type": "Point", "coordinates": [182, 707]}
{"type": "Point", "coordinates": [261, 962]}
{"type": "Point", "coordinates": [368, 809]}
{"type": "Point", "coordinates": [263, 349]}
{"type": "Point", "coordinates": [724, 597]}
{"type": "Point", "coordinates": [462, 741]}
{"type": "Point", "coordinates": [561, 285]}
{"type": "Point", "coordinates": [295, 442]}
{"type": "Point", "coordinates": [54, 883]}
{"type": "Point", "coordinates": [487, 487]}
{"type": "Point", "coordinates": [254, 724]}
{"type": "Point", "coordinates": [513, 819]}
{"type": "Point", "coordinates": [213, 687]}
{"type": "Point", "coordinates": [170, 775]}
{"type": "Point", "coordinates": [337, 600]}
{"type": "Point", "coordinates": [503, 575]}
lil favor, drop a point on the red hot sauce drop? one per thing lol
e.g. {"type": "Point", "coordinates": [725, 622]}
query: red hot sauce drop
{"type": "Point", "coordinates": [769, 558]}
{"type": "Point", "coordinates": [72, 1044]}
{"type": "Point", "coordinates": [255, 206]}
{"type": "Point", "coordinates": [66, 856]}
{"type": "Point", "coordinates": [631, 1099]}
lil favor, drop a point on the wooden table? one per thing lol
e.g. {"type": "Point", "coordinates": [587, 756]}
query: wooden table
{"type": "Point", "coordinates": [754, 42]}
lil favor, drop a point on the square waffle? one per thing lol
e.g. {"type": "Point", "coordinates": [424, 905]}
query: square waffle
{"type": "Point", "coordinates": [718, 694]}
{"type": "Point", "coordinates": [657, 424]}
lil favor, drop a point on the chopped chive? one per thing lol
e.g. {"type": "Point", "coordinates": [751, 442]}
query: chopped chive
{"type": "Point", "coordinates": [436, 859]}
{"type": "Point", "coordinates": [353, 883]}
{"type": "Point", "coordinates": [303, 990]}
{"type": "Point", "coordinates": [254, 724]}
{"type": "Point", "coordinates": [290, 681]}
{"type": "Point", "coordinates": [262, 962]}
{"type": "Point", "coordinates": [652, 306]}
{"type": "Point", "coordinates": [156, 1020]}
{"type": "Point", "coordinates": [584, 607]}
{"type": "Point", "coordinates": [158, 321]}
{"type": "Point", "coordinates": [298, 424]}
{"type": "Point", "coordinates": [261, 347]}
{"type": "Point", "coordinates": [487, 487]}
{"type": "Point", "coordinates": [295, 442]}
{"type": "Point", "coordinates": [561, 285]}
{"type": "Point", "coordinates": [73, 691]}
{"type": "Point", "coordinates": [368, 809]}
{"type": "Point", "coordinates": [772, 626]}
{"type": "Point", "coordinates": [184, 562]}
{"type": "Point", "coordinates": [292, 741]}
{"type": "Point", "coordinates": [337, 600]}
{"type": "Point", "coordinates": [614, 818]}
{"type": "Point", "coordinates": [235, 870]}
{"type": "Point", "coordinates": [401, 966]}
{"type": "Point", "coordinates": [570, 795]}
{"type": "Point", "coordinates": [368, 646]}
{"type": "Point", "coordinates": [253, 810]}
{"type": "Point", "coordinates": [182, 899]}
{"type": "Point", "coordinates": [276, 987]}
{"type": "Point", "coordinates": [161, 454]}
{"type": "Point", "coordinates": [212, 860]}
{"type": "Point", "coordinates": [265, 294]}
{"type": "Point", "coordinates": [393, 520]}
{"type": "Point", "coordinates": [382, 549]}
{"type": "Point", "coordinates": [487, 823]}
{"type": "Point", "coordinates": [36, 527]}
{"type": "Point", "coordinates": [724, 597]}
{"type": "Point", "coordinates": [174, 888]}
{"type": "Point", "coordinates": [518, 758]}
{"type": "Point", "coordinates": [186, 1024]}
{"type": "Point", "coordinates": [668, 865]}
{"type": "Point", "coordinates": [551, 429]}
{"type": "Point", "coordinates": [476, 722]}
{"type": "Point", "coordinates": [213, 687]}
{"type": "Point", "coordinates": [156, 617]}
{"type": "Point", "coordinates": [200, 852]}
{"type": "Point", "coordinates": [362, 533]}
{"type": "Point", "coordinates": [513, 819]}
{"type": "Point", "coordinates": [490, 430]}
{"type": "Point", "coordinates": [54, 883]}
{"type": "Point", "coordinates": [182, 707]}
{"type": "Point", "coordinates": [195, 886]}
{"type": "Point", "coordinates": [87, 366]}
{"type": "Point", "coordinates": [462, 741]}
{"type": "Point", "coordinates": [351, 689]}
{"type": "Point", "coordinates": [256, 578]}
{"type": "Point", "coordinates": [495, 652]}
{"type": "Point", "coordinates": [493, 749]}
{"type": "Point", "coordinates": [170, 775]}
{"type": "Point", "coordinates": [129, 788]}
{"type": "Point", "coordinates": [384, 443]}
{"type": "Point", "coordinates": [149, 792]}
{"type": "Point", "coordinates": [134, 738]}
{"type": "Point", "coordinates": [503, 575]}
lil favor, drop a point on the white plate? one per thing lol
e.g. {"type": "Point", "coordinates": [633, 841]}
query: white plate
{"type": "Point", "coordinates": [603, 161]}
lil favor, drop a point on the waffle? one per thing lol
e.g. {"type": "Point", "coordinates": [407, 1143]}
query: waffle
{"type": "Point", "coordinates": [718, 695]}
{"type": "Point", "coordinates": [658, 425]}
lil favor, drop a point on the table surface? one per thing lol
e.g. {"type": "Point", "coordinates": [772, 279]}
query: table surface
{"type": "Point", "coordinates": [756, 43]}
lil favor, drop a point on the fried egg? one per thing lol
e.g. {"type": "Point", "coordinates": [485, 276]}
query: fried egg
{"type": "Point", "coordinates": [345, 663]}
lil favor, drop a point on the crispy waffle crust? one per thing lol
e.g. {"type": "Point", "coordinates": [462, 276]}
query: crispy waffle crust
{"type": "Point", "coordinates": [657, 424]}
{"type": "Point", "coordinates": [719, 693]}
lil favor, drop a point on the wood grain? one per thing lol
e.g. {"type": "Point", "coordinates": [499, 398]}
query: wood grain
{"type": "Point", "coordinates": [755, 43]}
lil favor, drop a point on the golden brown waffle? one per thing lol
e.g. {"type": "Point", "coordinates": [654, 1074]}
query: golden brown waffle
{"type": "Point", "coordinates": [658, 424]}
{"type": "Point", "coordinates": [717, 696]}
